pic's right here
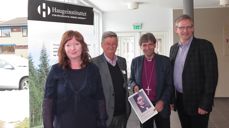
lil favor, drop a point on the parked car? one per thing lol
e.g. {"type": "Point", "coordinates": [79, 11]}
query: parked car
{"type": "Point", "coordinates": [14, 72]}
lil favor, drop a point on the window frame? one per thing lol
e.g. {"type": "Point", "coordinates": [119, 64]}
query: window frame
{"type": "Point", "coordinates": [24, 31]}
{"type": "Point", "coordinates": [5, 32]}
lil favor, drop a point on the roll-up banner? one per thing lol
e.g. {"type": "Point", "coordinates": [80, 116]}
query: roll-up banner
{"type": "Point", "coordinates": [43, 10]}
{"type": "Point", "coordinates": [48, 20]}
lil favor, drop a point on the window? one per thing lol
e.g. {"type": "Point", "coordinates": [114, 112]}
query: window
{"type": "Point", "coordinates": [15, 29]}
{"type": "Point", "coordinates": [5, 32]}
{"type": "Point", "coordinates": [7, 48]}
{"type": "Point", "coordinates": [24, 31]}
{"type": "Point", "coordinates": [3, 64]}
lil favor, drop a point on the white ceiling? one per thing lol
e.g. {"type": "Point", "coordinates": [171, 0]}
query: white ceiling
{"type": "Point", "coordinates": [117, 5]}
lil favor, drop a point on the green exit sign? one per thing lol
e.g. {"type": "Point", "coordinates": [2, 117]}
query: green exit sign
{"type": "Point", "coordinates": [137, 26]}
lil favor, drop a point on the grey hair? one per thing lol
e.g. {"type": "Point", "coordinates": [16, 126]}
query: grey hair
{"type": "Point", "coordinates": [108, 34]}
{"type": "Point", "coordinates": [183, 17]}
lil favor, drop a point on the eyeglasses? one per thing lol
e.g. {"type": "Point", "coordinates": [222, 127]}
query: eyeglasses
{"type": "Point", "coordinates": [185, 27]}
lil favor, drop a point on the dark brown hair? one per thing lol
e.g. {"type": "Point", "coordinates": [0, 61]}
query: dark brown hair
{"type": "Point", "coordinates": [147, 37]}
{"type": "Point", "coordinates": [63, 59]}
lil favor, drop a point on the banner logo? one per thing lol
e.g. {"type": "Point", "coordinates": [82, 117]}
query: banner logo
{"type": "Point", "coordinates": [60, 12]}
{"type": "Point", "coordinates": [43, 10]}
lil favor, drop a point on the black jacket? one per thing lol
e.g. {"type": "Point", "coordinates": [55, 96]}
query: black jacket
{"type": "Point", "coordinates": [200, 75]}
{"type": "Point", "coordinates": [66, 107]}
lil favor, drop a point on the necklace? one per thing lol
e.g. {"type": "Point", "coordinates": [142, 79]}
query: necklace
{"type": "Point", "coordinates": [148, 80]}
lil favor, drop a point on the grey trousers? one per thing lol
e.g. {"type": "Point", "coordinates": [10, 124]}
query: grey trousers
{"type": "Point", "coordinates": [118, 122]}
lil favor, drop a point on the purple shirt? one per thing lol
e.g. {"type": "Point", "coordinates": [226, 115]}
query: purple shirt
{"type": "Point", "coordinates": [149, 78]}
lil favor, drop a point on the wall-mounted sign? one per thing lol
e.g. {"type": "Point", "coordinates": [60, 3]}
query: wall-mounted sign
{"type": "Point", "coordinates": [137, 26]}
{"type": "Point", "coordinates": [44, 10]}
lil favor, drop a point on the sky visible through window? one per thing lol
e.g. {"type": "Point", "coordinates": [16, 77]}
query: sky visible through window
{"type": "Point", "coordinates": [10, 9]}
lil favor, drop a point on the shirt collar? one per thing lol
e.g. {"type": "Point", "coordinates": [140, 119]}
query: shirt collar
{"type": "Point", "coordinates": [112, 62]}
{"type": "Point", "coordinates": [187, 43]}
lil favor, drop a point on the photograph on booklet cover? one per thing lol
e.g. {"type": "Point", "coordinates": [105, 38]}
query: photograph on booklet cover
{"type": "Point", "coordinates": [142, 106]}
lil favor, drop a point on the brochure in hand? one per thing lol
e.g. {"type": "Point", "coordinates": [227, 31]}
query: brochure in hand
{"type": "Point", "coordinates": [142, 106]}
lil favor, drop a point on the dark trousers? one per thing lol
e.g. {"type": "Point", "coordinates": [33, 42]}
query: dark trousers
{"type": "Point", "coordinates": [187, 120]}
{"type": "Point", "coordinates": [159, 121]}
{"type": "Point", "coordinates": [118, 122]}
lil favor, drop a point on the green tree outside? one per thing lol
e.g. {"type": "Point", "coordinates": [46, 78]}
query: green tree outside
{"type": "Point", "coordinates": [37, 77]}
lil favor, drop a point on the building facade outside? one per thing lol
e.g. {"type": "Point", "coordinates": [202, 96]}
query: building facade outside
{"type": "Point", "coordinates": [14, 37]}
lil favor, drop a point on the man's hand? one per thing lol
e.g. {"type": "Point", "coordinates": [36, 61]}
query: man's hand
{"type": "Point", "coordinates": [172, 107]}
{"type": "Point", "coordinates": [135, 88]}
{"type": "Point", "coordinates": [202, 111]}
{"type": "Point", "coordinates": [159, 106]}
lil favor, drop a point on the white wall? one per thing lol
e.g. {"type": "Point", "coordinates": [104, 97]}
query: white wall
{"type": "Point", "coordinates": [210, 24]}
{"type": "Point", "coordinates": [153, 20]}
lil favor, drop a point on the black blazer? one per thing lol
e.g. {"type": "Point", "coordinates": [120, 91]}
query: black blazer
{"type": "Point", "coordinates": [200, 75]}
{"type": "Point", "coordinates": [163, 76]}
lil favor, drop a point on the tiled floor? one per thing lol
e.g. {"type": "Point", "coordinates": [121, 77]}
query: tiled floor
{"type": "Point", "coordinates": [219, 117]}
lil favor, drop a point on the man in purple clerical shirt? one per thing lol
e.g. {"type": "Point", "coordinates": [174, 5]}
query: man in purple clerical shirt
{"type": "Point", "coordinates": [152, 72]}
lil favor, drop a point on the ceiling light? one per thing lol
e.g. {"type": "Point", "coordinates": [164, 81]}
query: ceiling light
{"type": "Point", "coordinates": [132, 5]}
{"type": "Point", "coordinates": [224, 2]}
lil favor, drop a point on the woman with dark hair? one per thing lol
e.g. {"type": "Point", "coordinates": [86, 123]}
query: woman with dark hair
{"type": "Point", "coordinates": [73, 95]}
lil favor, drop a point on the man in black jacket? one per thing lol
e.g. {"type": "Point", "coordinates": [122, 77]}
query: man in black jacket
{"type": "Point", "coordinates": [195, 73]}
